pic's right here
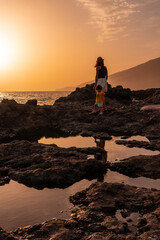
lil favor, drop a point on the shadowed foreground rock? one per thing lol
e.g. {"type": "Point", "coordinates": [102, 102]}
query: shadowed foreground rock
{"type": "Point", "coordinates": [140, 144]}
{"type": "Point", "coordinates": [138, 166]}
{"type": "Point", "coordinates": [71, 115]}
{"type": "Point", "coordinates": [38, 165]}
{"type": "Point", "coordinates": [94, 216]}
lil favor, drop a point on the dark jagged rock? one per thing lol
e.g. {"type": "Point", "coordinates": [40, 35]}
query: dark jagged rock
{"type": "Point", "coordinates": [155, 145]}
{"type": "Point", "coordinates": [4, 176]}
{"type": "Point", "coordinates": [4, 180]}
{"type": "Point", "coordinates": [149, 96]}
{"type": "Point", "coordinates": [6, 236]}
{"type": "Point", "coordinates": [122, 95]}
{"type": "Point", "coordinates": [9, 102]}
{"type": "Point", "coordinates": [39, 165]}
{"type": "Point", "coordinates": [32, 102]}
{"type": "Point", "coordinates": [71, 115]}
{"type": "Point", "coordinates": [147, 166]}
{"type": "Point", "coordinates": [94, 216]}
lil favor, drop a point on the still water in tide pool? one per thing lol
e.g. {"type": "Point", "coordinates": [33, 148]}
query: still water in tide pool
{"type": "Point", "coordinates": [114, 151]}
{"type": "Point", "coordinates": [21, 205]}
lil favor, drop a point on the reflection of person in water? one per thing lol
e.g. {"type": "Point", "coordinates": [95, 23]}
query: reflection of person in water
{"type": "Point", "coordinates": [100, 143]}
{"type": "Point", "coordinates": [103, 156]}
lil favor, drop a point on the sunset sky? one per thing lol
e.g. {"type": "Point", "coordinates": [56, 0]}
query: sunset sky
{"type": "Point", "coordinates": [48, 44]}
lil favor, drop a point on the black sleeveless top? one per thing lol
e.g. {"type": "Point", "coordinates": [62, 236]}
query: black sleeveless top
{"type": "Point", "coordinates": [103, 72]}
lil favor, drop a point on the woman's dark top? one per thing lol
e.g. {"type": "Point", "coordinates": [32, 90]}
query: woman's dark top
{"type": "Point", "coordinates": [103, 72]}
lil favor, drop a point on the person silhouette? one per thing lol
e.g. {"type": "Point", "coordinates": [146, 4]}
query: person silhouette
{"type": "Point", "coordinates": [101, 75]}
{"type": "Point", "coordinates": [100, 143]}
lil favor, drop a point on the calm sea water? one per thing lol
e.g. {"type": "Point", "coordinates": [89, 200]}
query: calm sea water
{"type": "Point", "coordinates": [43, 97]}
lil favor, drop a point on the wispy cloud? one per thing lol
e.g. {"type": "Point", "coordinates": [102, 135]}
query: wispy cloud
{"type": "Point", "coordinates": [112, 16]}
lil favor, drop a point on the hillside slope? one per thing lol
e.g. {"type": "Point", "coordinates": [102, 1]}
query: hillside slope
{"type": "Point", "coordinates": [143, 76]}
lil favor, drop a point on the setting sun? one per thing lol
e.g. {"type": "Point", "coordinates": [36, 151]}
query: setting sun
{"type": "Point", "coordinates": [8, 52]}
{"type": "Point", "coordinates": [50, 45]}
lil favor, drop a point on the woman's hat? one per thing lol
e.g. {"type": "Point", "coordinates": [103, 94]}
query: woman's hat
{"type": "Point", "coordinates": [100, 59]}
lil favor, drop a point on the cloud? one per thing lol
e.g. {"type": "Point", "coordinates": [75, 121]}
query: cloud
{"type": "Point", "coordinates": [113, 16]}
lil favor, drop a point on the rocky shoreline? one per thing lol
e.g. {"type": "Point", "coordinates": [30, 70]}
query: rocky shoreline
{"type": "Point", "coordinates": [95, 212]}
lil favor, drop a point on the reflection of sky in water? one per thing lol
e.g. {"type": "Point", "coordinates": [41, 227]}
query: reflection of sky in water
{"type": "Point", "coordinates": [138, 138]}
{"type": "Point", "coordinates": [21, 206]}
{"type": "Point", "coordinates": [114, 151]}
{"type": "Point", "coordinates": [111, 176]}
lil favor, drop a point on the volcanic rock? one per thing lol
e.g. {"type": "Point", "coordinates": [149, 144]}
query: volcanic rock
{"type": "Point", "coordinates": [93, 216]}
{"type": "Point", "coordinates": [71, 115]}
{"type": "Point", "coordinates": [38, 165]}
{"type": "Point", "coordinates": [147, 166]}
{"type": "Point", "coordinates": [32, 102]}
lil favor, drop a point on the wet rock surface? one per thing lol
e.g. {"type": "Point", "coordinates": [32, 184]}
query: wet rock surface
{"type": "Point", "coordinates": [6, 236]}
{"type": "Point", "coordinates": [4, 176]}
{"type": "Point", "coordinates": [38, 165]}
{"type": "Point", "coordinates": [155, 145]}
{"type": "Point", "coordinates": [146, 166]}
{"type": "Point", "coordinates": [71, 115]}
{"type": "Point", "coordinates": [93, 216]}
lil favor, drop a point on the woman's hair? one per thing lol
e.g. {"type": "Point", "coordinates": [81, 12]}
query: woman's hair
{"type": "Point", "coordinates": [99, 62]}
{"type": "Point", "coordinates": [99, 87]}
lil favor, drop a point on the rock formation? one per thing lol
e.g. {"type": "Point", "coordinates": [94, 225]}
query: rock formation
{"type": "Point", "coordinates": [104, 210]}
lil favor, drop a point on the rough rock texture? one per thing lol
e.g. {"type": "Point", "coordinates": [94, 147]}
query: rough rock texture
{"type": "Point", "coordinates": [71, 115]}
{"type": "Point", "coordinates": [4, 176]}
{"type": "Point", "coordinates": [154, 145]}
{"type": "Point", "coordinates": [94, 216]}
{"type": "Point", "coordinates": [147, 94]}
{"type": "Point", "coordinates": [40, 165]}
{"type": "Point", "coordinates": [32, 102]}
{"type": "Point", "coordinates": [147, 166]}
{"type": "Point", "coordinates": [6, 236]}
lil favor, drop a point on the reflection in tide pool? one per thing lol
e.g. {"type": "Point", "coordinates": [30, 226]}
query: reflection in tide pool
{"type": "Point", "coordinates": [116, 177]}
{"type": "Point", "coordinates": [138, 138]}
{"type": "Point", "coordinates": [21, 206]}
{"type": "Point", "coordinates": [115, 152]}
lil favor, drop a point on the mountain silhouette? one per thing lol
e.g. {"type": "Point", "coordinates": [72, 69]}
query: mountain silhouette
{"type": "Point", "coordinates": [143, 76]}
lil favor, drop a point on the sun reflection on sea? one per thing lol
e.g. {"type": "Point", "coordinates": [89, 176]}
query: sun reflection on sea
{"type": "Point", "coordinates": [1, 96]}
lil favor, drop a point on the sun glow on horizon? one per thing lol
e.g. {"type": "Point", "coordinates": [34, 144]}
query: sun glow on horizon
{"type": "Point", "coordinates": [47, 45]}
{"type": "Point", "coordinates": [9, 52]}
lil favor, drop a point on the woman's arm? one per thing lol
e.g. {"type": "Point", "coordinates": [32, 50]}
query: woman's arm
{"type": "Point", "coordinates": [96, 77]}
{"type": "Point", "coordinates": [106, 74]}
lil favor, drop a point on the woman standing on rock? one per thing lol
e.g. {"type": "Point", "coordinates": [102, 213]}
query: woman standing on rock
{"type": "Point", "coordinates": [101, 75]}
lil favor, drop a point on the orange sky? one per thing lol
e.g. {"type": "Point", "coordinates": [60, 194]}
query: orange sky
{"type": "Point", "coordinates": [47, 44]}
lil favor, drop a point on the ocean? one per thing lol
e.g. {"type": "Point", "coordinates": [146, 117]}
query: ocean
{"type": "Point", "coordinates": [43, 97]}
